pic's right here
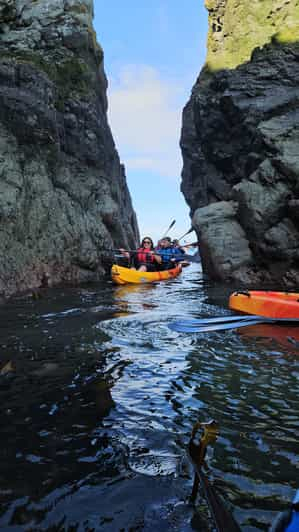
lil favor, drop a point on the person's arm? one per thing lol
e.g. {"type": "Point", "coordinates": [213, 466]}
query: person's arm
{"type": "Point", "coordinates": [182, 249]}
{"type": "Point", "coordinates": [177, 254]}
{"type": "Point", "coordinates": [157, 258]}
{"type": "Point", "coordinates": [191, 245]}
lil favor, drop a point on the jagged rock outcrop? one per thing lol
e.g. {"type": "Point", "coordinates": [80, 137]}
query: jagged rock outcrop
{"type": "Point", "coordinates": [240, 144]}
{"type": "Point", "coordinates": [63, 191]}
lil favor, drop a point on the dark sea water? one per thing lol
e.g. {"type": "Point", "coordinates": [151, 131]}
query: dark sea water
{"type": "Point", "coordinates": [99, 407]}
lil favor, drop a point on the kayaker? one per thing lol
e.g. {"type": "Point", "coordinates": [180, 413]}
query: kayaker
{"type": "Point", "coordinates": [145, 258]}
{"type": "Point", "coordinates": [288, 520]}
{"type": "Point", "coordinates": [170, 255]}
{"type": "Point", "coordinates": [176, 244]}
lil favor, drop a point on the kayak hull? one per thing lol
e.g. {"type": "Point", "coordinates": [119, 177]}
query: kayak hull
{"type": "Point", "coordinates": [122, 275]}
{"type": "Point", "coordinates": [266, 303]}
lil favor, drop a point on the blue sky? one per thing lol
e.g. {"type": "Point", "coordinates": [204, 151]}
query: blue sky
{"type": "Point", "coordinates": [153, 52]}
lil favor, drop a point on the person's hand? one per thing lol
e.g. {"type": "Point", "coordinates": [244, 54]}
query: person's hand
{"type": "Point", "coordinates": [124, 252]}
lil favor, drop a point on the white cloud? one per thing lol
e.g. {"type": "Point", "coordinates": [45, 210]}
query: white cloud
{"type": "Point", "coordinates": [145, 117]}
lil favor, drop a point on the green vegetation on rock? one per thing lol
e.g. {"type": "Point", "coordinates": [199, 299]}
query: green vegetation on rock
{"type": "Point", "coordinates": [70, 76]}
{"type": "Point", "coordinates": [237, 27]}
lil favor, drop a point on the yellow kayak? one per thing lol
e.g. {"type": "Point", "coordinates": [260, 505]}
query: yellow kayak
{"type": "Point", "coordinates": [121, 275]}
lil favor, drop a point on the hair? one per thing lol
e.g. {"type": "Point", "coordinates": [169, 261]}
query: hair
{"type": "Point", "coordinates": [147, 238]}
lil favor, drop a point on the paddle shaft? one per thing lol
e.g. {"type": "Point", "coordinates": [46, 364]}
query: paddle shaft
{"type": "Point", "coordinates": [194, 244]}
{"type": "Point", "coordinates": [118, 250]}
{"type": "Point", "coordinates": [185, 234]}
{"type": "Point", "coordinates": [173, 258]}
{"type": "Point", "coordinates": [222, 518]}
{"type": "Point", "coordinates": [168, 229]}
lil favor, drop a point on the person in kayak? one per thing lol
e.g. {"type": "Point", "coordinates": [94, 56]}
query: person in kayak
{"type": "Point", "coordinates": [176, 244]}
{"type": "Point", "coordinates": [170, 255]}
{"type": "Point", "coordinates": [288, 520]}
{"type": "Point", "coordinates": [145, 258]}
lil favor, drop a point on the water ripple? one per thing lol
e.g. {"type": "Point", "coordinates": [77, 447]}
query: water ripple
{"type": "Point", "coordinates": [100, 404]}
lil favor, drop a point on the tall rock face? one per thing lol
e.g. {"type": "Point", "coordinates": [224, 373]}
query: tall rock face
{"type": "Point", "coordinates": [63, 191]}
{"type": "Point", "coordinates": [240, 144]}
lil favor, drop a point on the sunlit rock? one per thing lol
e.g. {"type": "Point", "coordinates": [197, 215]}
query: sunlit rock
{"type": "Point", "coordinates": [237, 27]}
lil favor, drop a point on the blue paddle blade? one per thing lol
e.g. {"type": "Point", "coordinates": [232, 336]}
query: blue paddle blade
{"type": "Point", "coordinates": [219, 319]}
{"type": "Point", "coordinates": [191, 325]}
{"type": "Point", "coordinates": [178, 327]}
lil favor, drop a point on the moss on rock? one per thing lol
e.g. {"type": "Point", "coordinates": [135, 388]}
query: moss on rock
{"type": "Point", "coordinates": [237, 27]}
{"type": "Point", "coordinates": [70, 76]}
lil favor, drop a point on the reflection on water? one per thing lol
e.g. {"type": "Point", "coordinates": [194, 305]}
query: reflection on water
{"type": "Point", "coordinates": [284, 335]}
{"type": "Point", "coordinates": [99, 397]}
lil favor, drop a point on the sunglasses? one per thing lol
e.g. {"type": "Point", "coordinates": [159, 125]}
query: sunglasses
{"type": "Point", "coordinates": [146, 242]}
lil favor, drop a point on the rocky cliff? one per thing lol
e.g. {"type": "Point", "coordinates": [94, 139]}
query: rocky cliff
{"type": "Point", "coordinates": [63, 191]}
{"type": "Point", "coordinates": [240, 144]}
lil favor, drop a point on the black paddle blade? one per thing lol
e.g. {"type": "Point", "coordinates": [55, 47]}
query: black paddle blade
{"type": "Point", "coordinates": [185, 234]}
{"type": "Point", "coordinates": [168, 229]}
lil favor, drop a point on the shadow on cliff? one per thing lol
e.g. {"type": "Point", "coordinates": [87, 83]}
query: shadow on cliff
{"type": "Point", "coordinates": [240, 176]}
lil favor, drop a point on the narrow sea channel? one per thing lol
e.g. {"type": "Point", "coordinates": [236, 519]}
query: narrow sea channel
{"type": "Point", "coordinates": [101, 398]}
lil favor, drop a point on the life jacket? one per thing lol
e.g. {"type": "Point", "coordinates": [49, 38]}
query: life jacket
{"type": "Point", "coordinates": [170, 253]}
{"type": "Point", "coordinates": [145, 256]}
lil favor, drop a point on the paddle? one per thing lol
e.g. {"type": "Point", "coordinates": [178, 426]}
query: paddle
{"type": "Point", "coordinates": [185, 234]}
{"type": "Point", "coordinates": [167, 230]}
{"type": "Point", "coordinates": [222, 518]}
{"type": "Point", "coordinates": [218, 319]}
{"type": "Point", "coordinates": [116, 251]}
{"type": "Point", "coordinates": [183, 263]}
{"type": "Point", "coordinates": [192, 244]}
{"type": "Point", "coordinates": [224, 326]}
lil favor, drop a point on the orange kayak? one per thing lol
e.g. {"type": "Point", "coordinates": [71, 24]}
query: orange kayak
{"type": "Point", "coordinates": [121, 275]}
{"type": "Point", "coordinates": [266, 303]}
